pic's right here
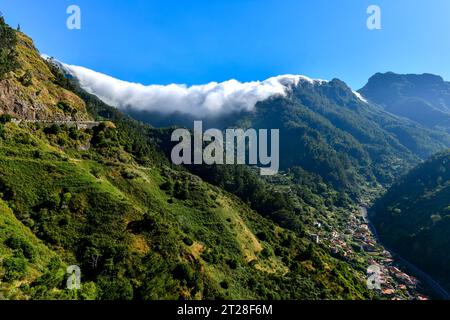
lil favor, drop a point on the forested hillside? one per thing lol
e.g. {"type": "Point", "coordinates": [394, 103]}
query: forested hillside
{"type": "Point", "coordinates": [328, 130]}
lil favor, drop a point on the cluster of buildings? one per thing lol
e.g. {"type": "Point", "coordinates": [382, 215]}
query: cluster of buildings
{"type": "Point", "coordinates": [356, 243]}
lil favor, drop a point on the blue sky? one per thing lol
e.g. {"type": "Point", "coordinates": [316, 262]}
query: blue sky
{"type": "Point", "coordinates": [198, 41]}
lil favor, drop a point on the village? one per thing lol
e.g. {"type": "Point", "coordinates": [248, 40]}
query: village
{"type": "Point", "coordinates": [355, 242]}
{"type": "Point", "coordinates": [349, 236]}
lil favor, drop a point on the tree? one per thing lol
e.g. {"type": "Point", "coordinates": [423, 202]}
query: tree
{"type": "Point", "coordinates": [27, 78]}
{"type": "Point", "coordinates": [15, 268]}
{"type": "Point", "coordinates": [53, 129]}
{"type": "Point", "coordinates": [5, 118]}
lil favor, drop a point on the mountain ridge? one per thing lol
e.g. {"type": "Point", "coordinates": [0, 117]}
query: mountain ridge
{"type": "Point", "coordinates": [423, 98]}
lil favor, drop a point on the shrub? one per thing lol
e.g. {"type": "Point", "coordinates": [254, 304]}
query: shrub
{"type": "Point", "coordinates": [89, 291]}
{"type": "Point", "coordinates": [262, 236]}
{"type": "Point", "coordinates": [53, 129]}
{"type": "Point", "coordinates": [37, 154]}
{"type": "Point", "coordinates": [167, 186]}
{"type": "Point", "coordinates": [52, 278]}
{"type": "Point", "coordinates": [183, 272]}
{"type": "Point", "coordinates": [5, 118]}
{"type": "Point", "coordinates": [64, 106]}
{"type": "Point", "coordinates": [232, 263]}
{"type": "Point", "coordinates": [129, 174]}
{"type": "Point", "coordinates": [96, 172]}
{"type": "Point", "coordinates": [180, 191]}
{"type": "Point", "coordinates": [224, 284]}
{"type": "Point", "coordinates": [188, 241]}
{"type": "Point", "coordinates": [21, 246]}
{"type": "Point", "coordinates": [115, 288]}
{"type": "Point", "coordinates": [15, 268]}
{"type": "Point", "coordinates": [209, 257]}
{"type": "Point", "coordinates": [73, 133]}
{"type": "Point", "coordinates": [2, 131]}
{"type": "Point", "coordinates": [27, 79]}
{"type": "Point", "coordinates": [265, 253]}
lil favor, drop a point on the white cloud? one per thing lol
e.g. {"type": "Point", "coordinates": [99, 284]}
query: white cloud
{"type": "Point", "coordinates": [199, 100]}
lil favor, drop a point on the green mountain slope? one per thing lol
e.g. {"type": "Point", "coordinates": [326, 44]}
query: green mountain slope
{"type": "Point", "coordinates": [152, 232]}
{"type": "Point", "coordinates": [326, 129]}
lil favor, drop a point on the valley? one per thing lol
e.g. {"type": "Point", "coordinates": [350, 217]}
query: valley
{"type": "Point", "coordinates": [92, 185]}
{"type": "Point", "coordinates": [355, 241]}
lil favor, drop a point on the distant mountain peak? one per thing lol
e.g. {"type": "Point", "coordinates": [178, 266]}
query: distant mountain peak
{"type": "Point", "coordinates": [423, 98]}
{"type": "Point", "coordinates": [417, 79]}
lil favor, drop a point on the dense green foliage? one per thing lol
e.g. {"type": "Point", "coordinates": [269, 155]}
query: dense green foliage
{"type": "Point", "coordinates": [145, 233]}
{"type": "Point", "coordinates": [291, 210]}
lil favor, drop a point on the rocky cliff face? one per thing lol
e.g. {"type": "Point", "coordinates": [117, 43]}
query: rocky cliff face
{"type": "Point", "coordinates": [30, 92]}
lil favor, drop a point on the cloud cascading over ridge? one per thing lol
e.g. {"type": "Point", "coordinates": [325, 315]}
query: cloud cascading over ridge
{"type": "Point", "coordinates": [199, 100]}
